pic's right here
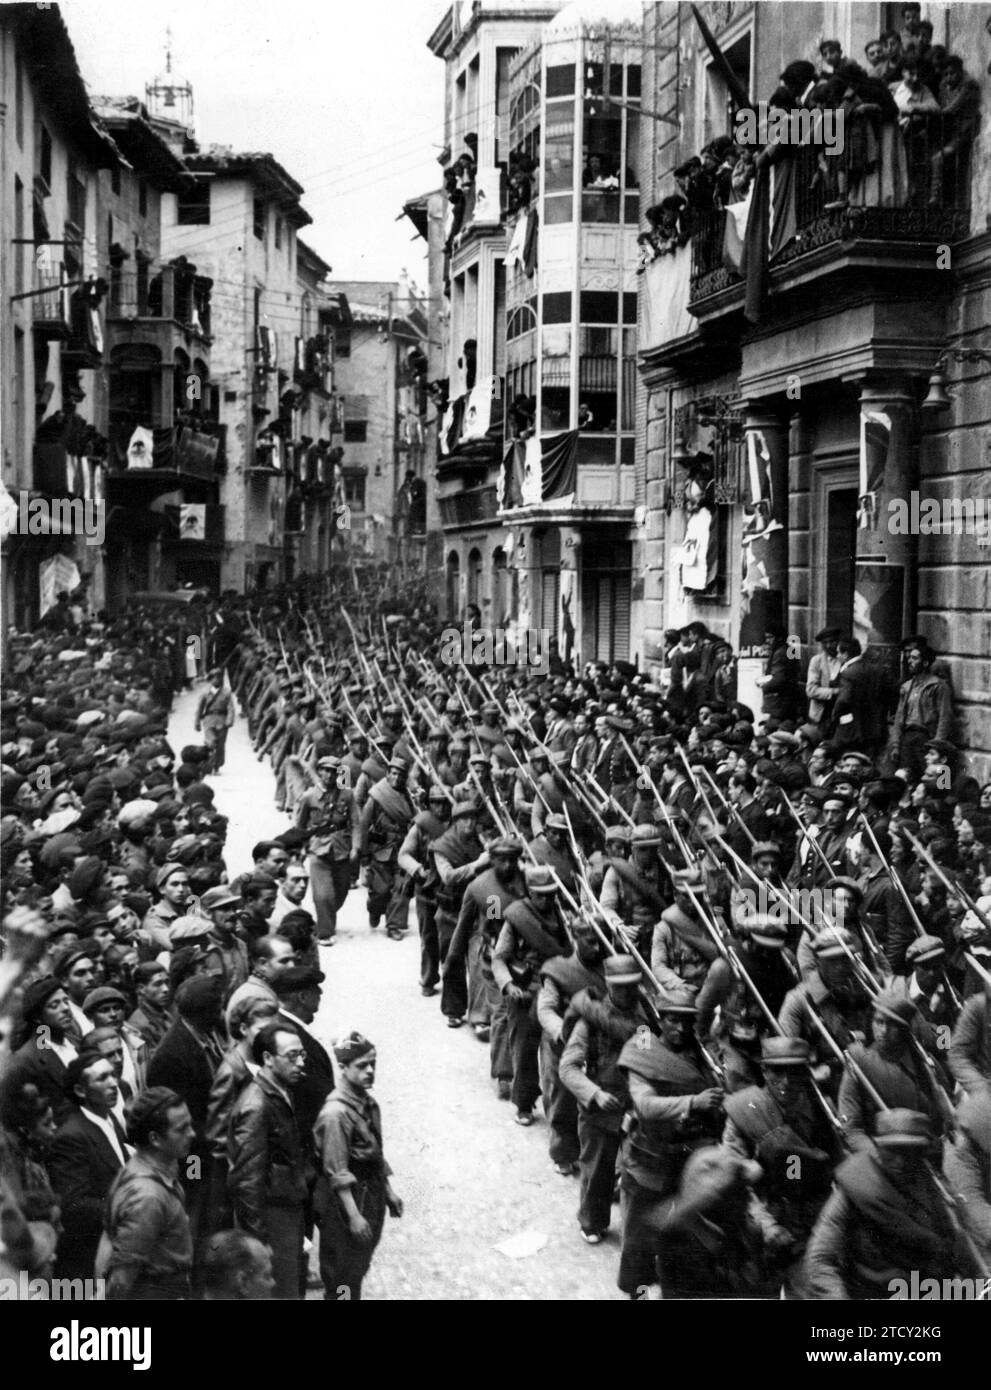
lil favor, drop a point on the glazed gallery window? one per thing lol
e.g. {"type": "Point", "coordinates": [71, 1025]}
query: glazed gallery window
{"type": "Point", "coordinates": [193, 205]}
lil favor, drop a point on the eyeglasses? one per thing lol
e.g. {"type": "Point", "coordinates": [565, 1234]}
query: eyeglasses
{"type": "Point", "coordinates": [297, 1055]}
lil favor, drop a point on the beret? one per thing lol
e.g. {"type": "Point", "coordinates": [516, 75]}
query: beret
{"type": "Point", "coordinates": [105, 994]}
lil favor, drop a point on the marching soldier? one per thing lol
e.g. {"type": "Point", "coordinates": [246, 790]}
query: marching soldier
{"type": "Point", "coordinates": [776, 1124]}
{"type": "Point", "coordinates": [215, 716]}
{"type": "Point", "coordinates": [590, 1071]}
{"type": "Point", "coordinates": [834, 996]}
{"type": "Point", "coordinates": [677, 1107]}
{"type": "Point", "coordinates": [682, 951]}
{"type": "Point", "coordinates": [415, 860]}
{"type": "Point", "coordinates": [385, 819]}
{"type": "Point", "coordinates": [483, 908]}
{"type": "Point", "coordinates": [551, 848]}
{"type": "Point", "coordinates": [458, 857]}
{"type": "Point", "coordinates": [561, 978]}
{"type": "Point", "coordinates": [634, 892]}
{"type": "Point", "coordinates": [532, 932]}
{"type": "Point", "coordinates": [328, 815]}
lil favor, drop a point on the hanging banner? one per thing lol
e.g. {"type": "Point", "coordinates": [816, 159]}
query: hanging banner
{"type": "Point", "coordinates": [141, 448]}
{"type": "Point", "coordinates": [192, 521]}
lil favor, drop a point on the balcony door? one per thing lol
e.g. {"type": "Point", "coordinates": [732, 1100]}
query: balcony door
{"type": "Point", "coordinates": [834, 537]}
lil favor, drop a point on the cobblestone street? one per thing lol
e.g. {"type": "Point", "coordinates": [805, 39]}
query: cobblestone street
{"type": "Point", "coordinates": [472, 1180]}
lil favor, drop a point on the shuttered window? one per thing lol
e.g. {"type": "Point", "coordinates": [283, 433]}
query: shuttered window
{"type": "Point", "coordinates": [606, 603]}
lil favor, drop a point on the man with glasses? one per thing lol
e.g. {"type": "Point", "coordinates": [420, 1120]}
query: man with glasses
{"type": "Point", "coordinates": [269, 1172]}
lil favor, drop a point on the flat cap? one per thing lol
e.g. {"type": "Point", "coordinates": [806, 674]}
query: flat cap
{"type": "Point", "coordinates": [896, 1007]}
{"type": "Point", "coordinates": [902, 1129]}
{"type": "Point", "coordinates": [105, 994]}
{"type": "Point", "coordinates": [834, 941]}
{"type": "Point", "coordinates": [644, 835]}
{"type": "Point", "coordinates": [765, 847]}
{"type": "Point", "coordinates": [785, 1052]}
{"type": "Point", "coordinates": [621, 970]}
{"type": "Point", "coordinates": [540, 879]}
{"type": "Point", "coordinates": [676, 1001]}
{"type": "Point", "coordinates": [37, 995]}
{"type": "Point", "coordinates": [185, 930]}
{"type": "Point", "coordinates": [506, 846]}
{"type": "Point", "coordinates": [166, 872]}
{"type": "Point", "coordinates": [924, 950]}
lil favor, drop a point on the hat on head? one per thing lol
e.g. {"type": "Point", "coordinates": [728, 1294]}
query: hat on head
{"type": "Point", "coordinates": [329, 763]}
{"type": "Point", "coordinates": [540, 879]}
{"type": "Point", "coordinates": [199, 996]}
{"type": "Point", "coordinates": [645, 835]}
{"type": "Point", "coordinates": [37, 995]}
{"type": "Point", "coordinates": [479, 757]}
{"type": "Point", "coordinates": [556, 822]}
{"type": "Point", "coordinates": [437, 793]}
{"type": "Point", "coordinates": [941, 746]}
{"type": "Point", "coordinates": [828, 634]}
{"type": "Point", "coordinates": [622, 834]}
{"type": "Point", "coordinates": [924, 950]}
{"type": "Point", "coordinates": [105, 994]}
{"type": "Point", "coordinates": [765, 847]}
{"type": "Point", "coordinates": [832, 795]}
{"type": "Point", "coordinates": [686, 878]}
{"type": "Point", "coordinates": [834, 941]}
{"type": "Point", "coordinates": [185, 930]}
{"type": "Point", "coordinates": [70, 956]}
{"type": "Point", "coordinates": [895, 1007]}
{"type": "Point", "coordinates": [850, 884]}
{"type": "Point", "coordinates": [621, 970]}
{"type": "Point", "coordinates": [676, 1001]}
{"type": "Point", "coordinates": [854, 755]}
{"type": "Point", "coordinates": [166, 872]}
{"type": "Point", "coordinates": [507, 846]}
{"type": "Point", "coordinates": [902, 1129]}
{"type": "Point", "coordinates": [351, 1048]}
{"type": "Point", "coordinates": [785, 1052]}
{"type": "Point", "coordinates": [398, 764]}
{"type": "Point", "coordinates": [817, 795]}
{"type": "Point", "coordinates": [540, 752]}
{"type": "Point", "coordinates": [767, 930]}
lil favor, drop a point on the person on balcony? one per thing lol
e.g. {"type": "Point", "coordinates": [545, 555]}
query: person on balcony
{"type": "Point", "coordinates": [598, 175]}
{"type": "Point", "coordinates": [830, 57]}
{"type": "Point", "coordinates": [959, 101]}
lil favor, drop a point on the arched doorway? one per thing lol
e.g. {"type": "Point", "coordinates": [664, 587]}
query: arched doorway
{"type": "Point", "coordinates": [474, 576]}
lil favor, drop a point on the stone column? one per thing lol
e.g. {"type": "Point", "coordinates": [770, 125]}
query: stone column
{"type": "Point", "coordinates": [764, 599]}
{"type": "Point", "coordinates": [885, 572]}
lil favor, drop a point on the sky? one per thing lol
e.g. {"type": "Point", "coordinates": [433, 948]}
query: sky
{"type": "Point", "coordinates": [347, 97]}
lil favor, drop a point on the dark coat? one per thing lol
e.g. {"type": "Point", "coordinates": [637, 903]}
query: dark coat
{"type": "Point", "coordinates": [268, 1170]}
{"type": "Point", "coordinates": [316, 1084]}
{"type": "Point", "coordinates": [181, 1063]}
{"type": "Point", "coordinates": [40, 1067]}
{"type": "Point", "coordinates": [82, 1166]}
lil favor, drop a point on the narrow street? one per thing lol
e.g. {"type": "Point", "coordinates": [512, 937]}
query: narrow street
{"type": "Point", "coordinates": [486, 1215]}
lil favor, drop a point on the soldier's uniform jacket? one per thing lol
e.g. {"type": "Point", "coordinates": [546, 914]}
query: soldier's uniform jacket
{"type": "Point", "coordinates": [757, 1127]}
{"type": "Point", "coordinates": [330, 817]}
{"type": "Point", "coordinates": [527, 939]}
{"type": "Point", "coordinates": [590, 1062]}
{"type": "Point", "coordinates": [844, 1019]}
{"type": "Point", "coordinates": [483, 908]}
{"type": "Point", "coordinates": [682, 950]}
{"type": "Point", "coordinates": [561, 978]}
{"type": "Point", "coordinates": [215, 709]}
{"type": "Point", "coordinates": [453, 858]}
{"type": "Point", "coordinates": [559, 860]}
{"type": "Point", "coordinates": [903, 1084]}
{"type": "Point", "coordinates": [385, 819]}
{"type": "Point", "coordinates": [373, 770]}
{"type": "Point", "coordinates": [665, 1128]}
{"type": "Point", "coordinates": [414, 853]}
{"type": "Point", "coordinates": [636, 896]}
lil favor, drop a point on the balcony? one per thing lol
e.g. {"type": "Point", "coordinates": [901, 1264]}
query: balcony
{"type": "Point", "coordinates": [478, 504]}
{"type": "Point", "coordinates": [170, 306]}
{"type": "Point", "coordinates": [50, 304]}
{"type": "Point", "coordinates": [883, 206]}
{"type": "Point", "coordinates": [152, 458]}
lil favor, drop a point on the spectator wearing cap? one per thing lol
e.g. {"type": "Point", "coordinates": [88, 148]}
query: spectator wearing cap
{"type": "Point", "coordinates": [790, 772]}
{"type": "Point", "coordinates": [225, 954]}
{"type": "Point", "coordinates": [85, 1156]}
{"type": "Point", "coordinates": [927, 987]}
{"type": "Point", "coordinates": [75, 966]}
{"type": "Point", "coordinates": [174, 900]}
{"type": "Point", "coordinates": [43, 1057]}
{"type": "Point", "coordinates": [925, 709]}
{"type": "Point", "coordinates": [596, 1031]}
{"type": "Point", "coordinates": [215, 716]}
{"type": "Point", "coordinates": [773, 1123]}
{"type": "Point", "coordinates": [353, 1191]}
{"type": "Point", "coordinates": [885, 1220]}
{"type": "Point", "coordinates": [298, 990]}
{"type": "Point", "coordinates": [152, 1018]}
{"type": "Point", "coordinates": [107, 1007]}
{"type": "Point", "coordinates": [147, 1227]}
{"type": "Point", "coordinates": [186, 1060]}
{"type": "Point", "coordinates": [270, 1171]}
{"type": "Point", "coordinates": [824, 666]}
{"type": "Point", "coordinates": [532, 932]}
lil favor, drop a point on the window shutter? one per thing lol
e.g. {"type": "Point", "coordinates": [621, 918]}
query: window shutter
{"type": "Point", "coordinates": [548, 609]}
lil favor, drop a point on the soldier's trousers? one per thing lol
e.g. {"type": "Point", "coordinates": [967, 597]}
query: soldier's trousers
{"type": "Point", "coordinates": [397, 912]}
{"type": "Point", "coordinates": [479, 1007]}
{"type": "Point", "coordinates": [560, 1106]}
{"type": "Point", "coordinates": [379, 877]}
{"type": "Point", "coordinates": [597, 1181]}
{"type": "Point", "coordinates": [426, 917]}
{"type": "Point", "coordinates": [330, 881]}
{"type": "Point", "coordinates": [454, 990]}
{"type": "Point", "coordinates": [524, 1046]}
{"type": "Point", "coordinates": [216, 741]}
{"type": "Point", "coordinates": [641, 1243]}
